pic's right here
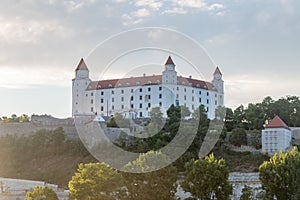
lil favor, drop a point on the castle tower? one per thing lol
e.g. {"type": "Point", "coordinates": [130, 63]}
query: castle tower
{"type": "Point", "coordinates": [218, 81]}
{"type": "Point", "coordinates": [169, 75]}
{"type": "Point", "coordinates": [79, 85]}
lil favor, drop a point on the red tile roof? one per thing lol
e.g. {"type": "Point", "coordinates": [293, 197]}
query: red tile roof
{"type": "Point", "coordinates": [148, 80]}
{"type": "Point", "coordinates": [276, 122]}
{"type": "Point", "coordinates": [169, 61]}
{"type": "Point", "coordinates": [217, 71]}
{"type": "Point", "coordinates": [81, 65]}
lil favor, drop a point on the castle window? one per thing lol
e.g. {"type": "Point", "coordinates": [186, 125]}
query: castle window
{"type": "Point", "coordinates": [160, 96]}
{"type": "Point", "coordinates": [141, 105]}
{"type": "Point", "coordinates": [112, 92]}
{"type": "Point", "coordinates": [184, 89]}
{"type": "Point", "coordinates": [122, 98]}
{"type": "Point", "coordinates": [101, 108]}
{"type": "Point", "coordinates": [160, 88]}
{"type": "Point", "coordinates": [216, 95]}
{"type": "Point", "coordinates": [122, 91]}
{"type": "Point", "coordinates": [193, 108]}
{"type": "Point", "coordinates": [112, 107]}
{"type": "Point", "coordinates": [102, 93]}
{"type": "Point", "coordinates": [92, 109]}
{"type": "Point", "coordinates": [160, 104]}
{"type": "Point", "coordinates": [101, 100]}
{"type": "Point", "coordinates": [86, 95]}
{"type": "Point", "coordinates": [76, 103]}
{"type": "Point", "coordinates": [184, 97]}
{"type": "Point", "coordinates": [207, 101]}
{"type": "Point", "coordinates": [92, 101]}
{"type": "Point", "coordinates": [207, 94]}
{"type": "Point", "coordinates": [216, 102]}
{"type": "Point", "coordinates": [177, 88]}
{"type": "Point", "coordinates": [141, 114]}
{"type": "Point", "coordinates": [200, 100]}
{"type": "Point", "coordinates": [141, 97]}
{"type": "Point", "coordinates": [141, 89]}
{"type": "Point", "coordinates": [149, 105]}
{"type": "Point", "coordinates": [193, 91]}
{"type": "Point", "coordinates": [149, 89]}
{"type": "Point", "coordinates": [207, 109]}
{"type": "Point", "coordinates": [131, 105]}
{"type": "Point", "coordinates": [112, 99]}
{"type": "Point", "coordinates": [177, 96]}
{"type": "Point", "coordinates": [122, 106]}
{"type": "Point", "coordinates": [131, 90]}
{"type": "Point", "coordinates": [131, 98]}
{"type": "Point", "coordinates": [192, 98]}
{"type": "Point", "coordinates": [200, 92]}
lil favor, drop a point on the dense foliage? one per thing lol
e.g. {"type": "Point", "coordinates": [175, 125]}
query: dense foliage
{"type": "Point", "coordinates": [207, 179]}
{"type": "Point", "coordinates": [41, 193]}
{"type": "Point", "coordinates": [280, 176]}
{"type": "Point", "coordinates": [95, 181]}
{"type": "Point", "coordinates": [15, 118]}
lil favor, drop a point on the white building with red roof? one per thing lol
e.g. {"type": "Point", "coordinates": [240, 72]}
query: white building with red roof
{"type": "Point", "coordinates": [276, 136]}
{"type": "Point", "coordinates": [134, 97]}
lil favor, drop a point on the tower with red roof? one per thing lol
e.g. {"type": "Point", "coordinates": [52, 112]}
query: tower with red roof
{"type": "Point", "coordinates": [276, 136]}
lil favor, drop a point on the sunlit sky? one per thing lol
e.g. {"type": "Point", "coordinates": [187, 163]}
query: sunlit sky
{"type": "Point", "coordinates": [255, 43]}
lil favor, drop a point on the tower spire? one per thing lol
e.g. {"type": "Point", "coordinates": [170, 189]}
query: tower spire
{"type": "Point", "coordinates": [82, 65]}
{"type": "Point", "coordinates": [169, 61]}
{"type": "Point", "coordinates": [217, 71]}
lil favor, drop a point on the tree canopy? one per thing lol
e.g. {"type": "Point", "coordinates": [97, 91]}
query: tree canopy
{"type": "Point", "coordinates": [280, 176]}
{"type": "Point", "coordinates": [207, 179]}
{"type": "Point", "coordinates": [41, 193]}
{"type": "Point", "coordinates": [95, 181]}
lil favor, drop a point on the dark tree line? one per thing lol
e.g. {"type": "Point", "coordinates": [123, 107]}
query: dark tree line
{"type": "Point", "coordinates": [255, 115]}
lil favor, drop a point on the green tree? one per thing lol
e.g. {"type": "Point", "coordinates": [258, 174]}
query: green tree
{"type": "Point", "coordinates": [247, 193]}
{"type": "Point", "coordinates": [41, 193]}
{"type": "Point", "coordinates": [207, 179]}
{"type": "Point", "coordinates": [118, 121]}
{"type": "Point", "coordinates": [95, 181]}
{"type": "Point", "coordinates": [229, 121]}
{"type": "Point", "coordinates": [239, 116]}
{"type": "Point", "coordinates": [159, 184]}
{"type": "Point", "coordinates": [280, 176]}
{"type": "Point", "coordinates": [238, 137]}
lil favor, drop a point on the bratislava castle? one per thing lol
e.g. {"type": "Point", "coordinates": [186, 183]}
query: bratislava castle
{"type": "Point", "coordinates": [134, 97]}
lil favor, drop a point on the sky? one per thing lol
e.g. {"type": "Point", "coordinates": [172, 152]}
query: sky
{"type": "Point", "coordinates": [255, 43]}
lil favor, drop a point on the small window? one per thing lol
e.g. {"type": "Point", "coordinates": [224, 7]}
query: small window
{"type": "Point", "coordinates": [216, 102]}
{"type": "Point", "coordinates": [131, 90]}
{"type": "Point", "coordinates": [192, 91]}
{"type": "Point", "coordinates": [200, 92]}
{"type": "Point", "coordinates": [112, 92]}
{"type": "Point", "coordinates": [184, 97]}
{"type": "Point", "coordinates": [102, 93]}
{"type": "Point", "coordinates": [184, 89]}
{"type": "Point", "coordinates": [101, 100]}
{"type": "Point", "coordinates": [112, 99]}
{"type": "Point", "coordinates": [177, 88]}
{"type": "Point", "coordinates": [160, 96]}
{"type": "Point", "coordinates": [192, 98]}
{"type": "Point", "coordinates": [141, 89]}
{"type": "Point", "coordinates": [113, 107]}
{"type": "Point", "coordinates": [216, 95]}
{"type": "Point", "coordinates": [207, 101]}
{"type": "Point", "coordinates": [160, 104]}
{"type": "Point", "coordinates": [122, 91]}
{"type": "Point", "coordinates": [122, 106]}
{"type": "Point", "coordinates": [122, 98]}
{"type": "Point", "coordinates": [131, 98]}
{"type": "Point", "coordinates": [131, 105]}
{"type": "Point", "coordinates": [101, 108]}
{"type": "Point", "coordinates": [200, 100]}
{"type": "Point", "coordinates": [92, 94]}
{"type": "Point", "coordinates": [141, 97]}
{"type": "Point", "coordinates": [160, 88]}
{"type": "Point", "coordinates": [207, 94]}
{"type": "Point", "coordinates": [141, 105]}
{"type": "Point", "coordinates": [92, 101]}
{"type": "Point", "coordinates": [92, 109]}
{"type": "Point", "coordinates": [149, 89]}
{"type": "Point", "coordinates": [141, 114]}
{"type": "Point", "coordinates": [149, 105]}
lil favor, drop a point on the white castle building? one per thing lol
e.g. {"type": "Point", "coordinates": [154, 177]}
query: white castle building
{"type": "Point", "coordinates": [134, 97]}
{"type": "Point", "coordinates": [276, 136]}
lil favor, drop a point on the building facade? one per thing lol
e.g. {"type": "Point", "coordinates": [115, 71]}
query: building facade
{"type": "Point", "coordinates": [134, 97]}
{"type": "Point", "coordinates": [276, 136]}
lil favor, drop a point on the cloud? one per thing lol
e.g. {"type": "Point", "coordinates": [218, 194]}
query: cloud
{"type": "Point", "coordinates": [191, 3]}
{"type": "Point", "coordinates": [30, 31]}
{"type": "Point", "coordinates": [141, 13]}
{"type": "Point", "coordinates": [175, 11]}
{"type": "Point", "coordinates": [153, 4]}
